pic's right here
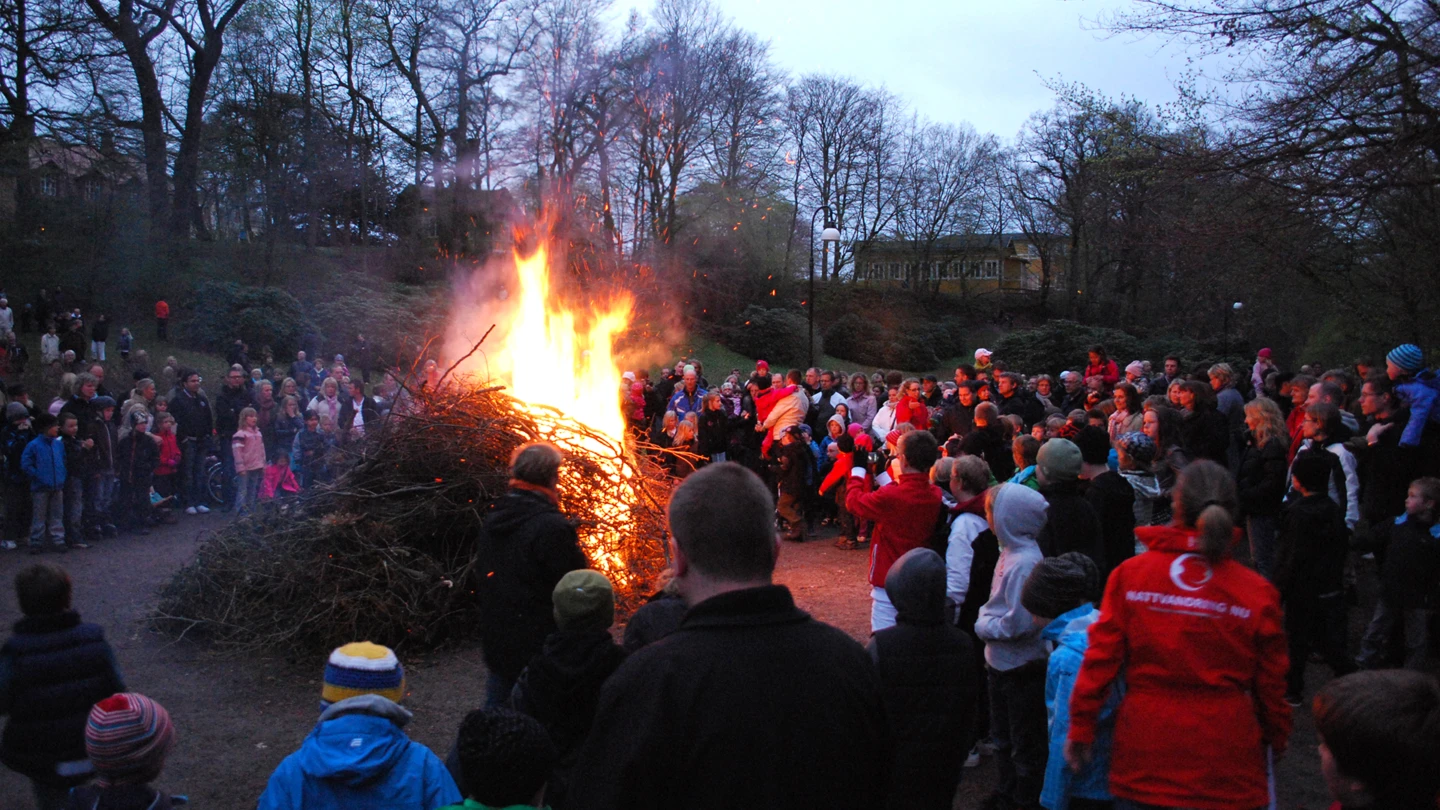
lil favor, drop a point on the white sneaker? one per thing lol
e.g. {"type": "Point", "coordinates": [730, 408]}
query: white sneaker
{"type": "Point", "coordinates": [973, 761]}
{"type": "Point", "coordinates": [8, 545]}
{"type": "Point", "coordinates": [190, 510]}
{"type": "Point", "coordinates": [203, 509]}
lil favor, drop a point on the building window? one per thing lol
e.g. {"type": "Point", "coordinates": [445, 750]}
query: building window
{"type": "Point", "coordinates": [877, 270]}
{"type": "Point", "coordinates": [49, 185]}
{"type": "Point", "coordinates": [992, 268]}
{"type": "Point", "coordinates": [895, 273]}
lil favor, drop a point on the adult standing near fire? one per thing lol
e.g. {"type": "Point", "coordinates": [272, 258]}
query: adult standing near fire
{"type": "Point", "coordinates": [528, 546]}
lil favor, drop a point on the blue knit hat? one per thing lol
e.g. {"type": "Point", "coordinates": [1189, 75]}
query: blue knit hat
{"type": "Point", "coordinates": [1139, 447]}
{"type": "Point", "coordinates": [362, 668]}
{"type": "Point", "coordinates": [1408, 357]}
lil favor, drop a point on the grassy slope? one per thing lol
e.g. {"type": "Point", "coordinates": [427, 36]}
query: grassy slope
{"type": "Point", "coordinates": [715, 356]}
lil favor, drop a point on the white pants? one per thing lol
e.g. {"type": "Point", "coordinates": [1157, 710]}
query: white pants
{"type": "Point", "coordinates": [97, 350]}
{"type": "Point", "coordinates": [882, 613]}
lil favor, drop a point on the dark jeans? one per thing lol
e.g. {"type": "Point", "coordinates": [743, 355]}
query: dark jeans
{"type": "Point", "coordinates": [497, 690]}
{"type": "Point", "coordinates": [17, 512]}
{"type": "Point", "coordinates": [1262, 529]}
{"type": "Point", "coordinates": [191, 487]}
{"type": "Point", "coordinates": [227, 459]}
{"type": "Point", "coordinates": [1310, 619]}
{"type": "Point", "coordinates": [1020, 729]}
{"type": "Point", "coordinates": [162, 328]}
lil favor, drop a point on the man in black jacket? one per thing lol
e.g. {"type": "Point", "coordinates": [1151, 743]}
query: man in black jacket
{"type": "Point", "coordinates": [750, 703]}
{"type": "Point", "coordinates": [232, 399]}
{"type": "Point", "coordinates": [194, 426]}
{"type": "Point", "coordinates": [528, 546]}
{"type": "Point", "coordinates": [1014, 400]}
{"type": "Point", "coordinates": [352, 429]}
{"type": "Point", "coordinates": [1110, 494]}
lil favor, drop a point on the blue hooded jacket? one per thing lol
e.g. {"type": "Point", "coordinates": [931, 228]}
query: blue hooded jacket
{"type": "Point", "coordinates": [44, 462]}
{"type": "Point", "coordinates": [358, 758]}
{"type": "Point", "coordinates": [1070, 634]}
{"type": "Point", "coordinates": [1420, 395]}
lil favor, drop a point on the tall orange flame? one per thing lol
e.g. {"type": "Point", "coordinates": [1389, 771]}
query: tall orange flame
{"type": "Point", "coordinates": [557, 359]}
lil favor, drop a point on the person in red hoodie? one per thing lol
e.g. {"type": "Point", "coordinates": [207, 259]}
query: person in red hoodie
{"type": "Point", "coordinates": [904, 512]}
{"type": "Point", "coordinates": [911, 407]}
{"type": "Point", "coordinates": [1103, 367]}
{"type": "Point", "coordinates": [1201, 643]}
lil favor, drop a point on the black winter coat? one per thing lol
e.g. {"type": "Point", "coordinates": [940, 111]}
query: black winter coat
{"type": "Point", "coordinates": [1071, 524]}
{"type": "Point", "coordinates": [136, 457]}
{"type": "Point", "coordinates": [561, 688]}
{"type": "Point", "coordinates": [528, 546]}
{"type": "Point", "coordinates": [1114, 501]}
{"type": "Point", "coordinates": [1411, 576]}
{"type": "Point", "coordinates": [930, 682]}
{"type": "Point", "coordinates": [714, 432]}
{"type": "Point", "coordinates": [1311, 547]}
{"type": "Point", "coordinates": [1205, 433]}
{"type": "Point", "coordinates": [1264, 477]}
{"type": "Point", "coordinates": [989, 443]}
{"type": "Point", "coordinates": [655, 620]}
{"type": "Point", "coordinates": [1386, 470]}
{"type": "Point", "coordinates": [193, 419]}
{"type": "Point", "coordinates": [228, 405]}
{"type": "Point", "coordinates": [1024, 405]}
{"type": "Point", "coordinates": [59, 668]}
{"type": "Point", "coordinates": [750, 704]}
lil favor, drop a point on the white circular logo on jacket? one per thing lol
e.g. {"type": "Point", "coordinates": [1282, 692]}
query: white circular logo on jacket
{"type": "Point", "coordinates": [1190, 572]}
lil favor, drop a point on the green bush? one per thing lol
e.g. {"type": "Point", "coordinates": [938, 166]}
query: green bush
{"type": "Point", "coordinates": [395, 323]}
{"type": "Point", "coordinates": [779, 335]}
{"type": "Point", "coordinates": [1062, 344]}
{"type": "Point", "coordinates": [260, 316]}
{"type": "Point", "coordinates": [916, 345]}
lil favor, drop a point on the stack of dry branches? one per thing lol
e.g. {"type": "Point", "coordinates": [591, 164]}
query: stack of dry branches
{"type": "Point", "coordinates": [386, 552]}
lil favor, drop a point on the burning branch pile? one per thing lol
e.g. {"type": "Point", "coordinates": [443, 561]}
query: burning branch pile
{"type": "Point", "coordinates": [386, 552]}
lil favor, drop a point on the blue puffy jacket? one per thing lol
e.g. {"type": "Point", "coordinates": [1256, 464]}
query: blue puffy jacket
{"type": "Point", "coordinates": [1419, 395]}
{"type": "Point", "coordinates": [358, 758]}
{"type": "Point", "coordinates": [1070, 635]}
{"type": "Point", "coordinates": [44, 462]}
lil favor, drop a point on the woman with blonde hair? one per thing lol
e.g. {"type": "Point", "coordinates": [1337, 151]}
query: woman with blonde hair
{"type": "Point", "coordinates": [1201, 643]}
{"type": "Point", "coordinates": [1262, 480]}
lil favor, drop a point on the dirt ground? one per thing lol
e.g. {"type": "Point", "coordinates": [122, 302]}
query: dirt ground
{"type": "Point", "coordinates": [237, 717]}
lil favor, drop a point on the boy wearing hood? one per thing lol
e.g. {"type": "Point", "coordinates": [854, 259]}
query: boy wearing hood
{"type": "Point", "coordinates": [1060, 594]}
{"type": "Point", "coordinates": [1014, 651]}
{"type": "Point", "coordinates": [358, 757]}
{"type": "Point", "coordinates": [561, 686]}
{"type": "Point", "coordinates": [928, 681]}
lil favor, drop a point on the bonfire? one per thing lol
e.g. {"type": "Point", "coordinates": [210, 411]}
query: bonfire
{"type": "Point", "coordinates": [386, 552]}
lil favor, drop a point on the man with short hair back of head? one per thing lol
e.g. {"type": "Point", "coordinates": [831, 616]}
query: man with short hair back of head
{"type": "Point", "coordinates": [750, 703]}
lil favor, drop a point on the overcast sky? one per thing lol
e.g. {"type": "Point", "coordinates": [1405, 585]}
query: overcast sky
{"type": "Point", "coordinates": [978, 61]}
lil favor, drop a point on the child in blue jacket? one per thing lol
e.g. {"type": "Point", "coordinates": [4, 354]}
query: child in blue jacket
{"type": "Point", "coordinates": [1060, 595]}
{"type": "Point", "coordinates": [44, 464]}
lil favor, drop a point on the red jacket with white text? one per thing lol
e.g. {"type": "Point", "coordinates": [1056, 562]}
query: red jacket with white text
{"type": "Point", "coordinates": [1202, 651]}
{"type": "Point", "coordinates": [904, 513]}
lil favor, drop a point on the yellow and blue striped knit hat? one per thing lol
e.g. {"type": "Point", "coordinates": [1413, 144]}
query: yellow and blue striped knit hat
{"type": "Point", "coordinates": [362, 668]}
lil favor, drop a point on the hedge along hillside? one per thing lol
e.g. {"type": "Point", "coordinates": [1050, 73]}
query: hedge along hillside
{"type": "Point", "coordinates": [395, 321]}
{"type": "Point", "coordinates": [260, 316]}
{"type": "Point", "coordinates": [781, 336]}
{"type": "Point", "coordinates": [917, 344]}
{"type": "Point", "coordinates": [1062, 344]}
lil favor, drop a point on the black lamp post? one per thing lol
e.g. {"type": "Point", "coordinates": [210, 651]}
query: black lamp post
{"type": "Point", "coordinates": [830, 234]}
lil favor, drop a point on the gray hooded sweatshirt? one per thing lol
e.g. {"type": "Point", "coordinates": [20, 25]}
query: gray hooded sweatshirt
{"type": "Point", "coordinates": [1010, 635]}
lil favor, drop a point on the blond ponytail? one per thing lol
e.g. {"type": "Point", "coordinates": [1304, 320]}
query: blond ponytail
{"type": "Point", "coordinates": [1206, 501]}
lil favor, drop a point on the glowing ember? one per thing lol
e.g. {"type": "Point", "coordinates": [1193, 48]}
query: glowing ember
{"type": "Point", "coordinates": [553, 358]}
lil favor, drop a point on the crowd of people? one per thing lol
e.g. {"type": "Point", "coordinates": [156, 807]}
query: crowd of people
{"type": "Point", "coordinates": [1111, 583]}
{"type": "Point", "coordinates": [91, 462]}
